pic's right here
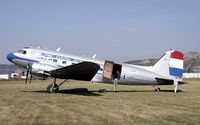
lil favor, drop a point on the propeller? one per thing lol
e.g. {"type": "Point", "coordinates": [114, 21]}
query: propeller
{"type": "Point", "coordinates": [27, 72]}
{"type": "Point", "coordinates": [31, 78]}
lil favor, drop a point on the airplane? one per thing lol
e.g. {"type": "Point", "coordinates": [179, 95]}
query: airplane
{"type": "Point", "coordinates": [168, 70]}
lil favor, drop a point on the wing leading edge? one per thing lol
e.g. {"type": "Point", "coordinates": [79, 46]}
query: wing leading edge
{"type": "Point", "coordinates": [81, 71]}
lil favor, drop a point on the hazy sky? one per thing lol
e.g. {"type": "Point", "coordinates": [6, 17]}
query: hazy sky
{"type": "Point", "coordinates": [119, 30]}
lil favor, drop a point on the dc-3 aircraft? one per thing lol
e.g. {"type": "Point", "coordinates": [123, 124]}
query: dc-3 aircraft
{"type": "Point", "coordinates": [43, 63]}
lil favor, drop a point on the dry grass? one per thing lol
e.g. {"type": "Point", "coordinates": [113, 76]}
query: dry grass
{"type": "Point", "coordinates": [80, 103]}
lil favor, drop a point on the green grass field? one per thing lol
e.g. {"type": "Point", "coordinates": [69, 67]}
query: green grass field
{"type": "Point", "coordinates": [80, 103]}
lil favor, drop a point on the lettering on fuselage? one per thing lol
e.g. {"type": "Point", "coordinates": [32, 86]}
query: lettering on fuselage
{"type": "Point", "coordinates": [51, 57]}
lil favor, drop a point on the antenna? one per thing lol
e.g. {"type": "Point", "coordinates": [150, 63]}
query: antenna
{"type": "Point", "coordinates": [58, 50]}
{"type": "Point", "coordinates": [94, 56]}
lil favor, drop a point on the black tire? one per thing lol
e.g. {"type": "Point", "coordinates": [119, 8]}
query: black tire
{"type": "Point", "coordinates": [157, 90]}
{"type": "Point", "coordinates": [51, 89]}
{"type": "Point", "coordinates": [102, 90]}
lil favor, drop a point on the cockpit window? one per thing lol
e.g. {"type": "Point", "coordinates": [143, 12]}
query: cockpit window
{"type": "Point", "coordinates": [22, 51]}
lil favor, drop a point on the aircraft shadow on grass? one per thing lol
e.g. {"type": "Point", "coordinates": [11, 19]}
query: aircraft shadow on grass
{"type": "Point", "coordinates": [86, 92]}
{"type": "Point", "coordinates": [79, 91]}
{"type": "Point", "coordinates": [76, 91]}
{"type": "Point", "coordinates": [124, 91]}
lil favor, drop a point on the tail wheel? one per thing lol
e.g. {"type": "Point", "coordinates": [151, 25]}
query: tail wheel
{"type": "Point", "coordinates": [53, 88]}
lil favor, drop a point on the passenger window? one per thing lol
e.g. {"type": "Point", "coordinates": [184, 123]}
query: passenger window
{"type": "Point", "coordinates": [64, 62]}
{"type": "Point", "coordinates": [55, 60]}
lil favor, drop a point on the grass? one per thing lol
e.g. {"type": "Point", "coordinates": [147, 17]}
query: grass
{"type": "Point", "coordinates": [80, 103]}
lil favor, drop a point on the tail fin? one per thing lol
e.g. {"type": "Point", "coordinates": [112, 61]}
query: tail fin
{"type": "Point", "coordinates": [176, 64]}
{"type": "Point", "coordinates": [170, 64]}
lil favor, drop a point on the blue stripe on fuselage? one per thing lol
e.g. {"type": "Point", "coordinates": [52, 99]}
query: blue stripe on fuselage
{"type": "Point", "coordinates": [11, 57]}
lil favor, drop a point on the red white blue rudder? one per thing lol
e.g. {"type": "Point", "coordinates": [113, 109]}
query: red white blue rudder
{"type": "Point", "coordinates": [176, 64]}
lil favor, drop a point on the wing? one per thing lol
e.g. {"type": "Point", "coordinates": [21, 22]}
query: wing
{"type": "Point", "coordinates": [81, 71]}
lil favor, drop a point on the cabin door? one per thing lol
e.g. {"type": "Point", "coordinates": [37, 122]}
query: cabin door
{"type": "Point", "coordinates": [110, 69]}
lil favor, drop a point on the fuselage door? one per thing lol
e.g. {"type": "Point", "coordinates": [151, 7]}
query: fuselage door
{"type": "Point", "coordinates": [111, 71]}
{"type": "Point", "coordinates": [108, 69]}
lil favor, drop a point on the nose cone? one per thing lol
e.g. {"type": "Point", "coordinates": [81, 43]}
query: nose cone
{"type": "Point", "coordinates": [10, 57]}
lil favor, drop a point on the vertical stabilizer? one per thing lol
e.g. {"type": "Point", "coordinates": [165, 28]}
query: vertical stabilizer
{"type": "Point", "coordinates": [162, 66]}
{"type": "Point", "coordinates": [170, 64]}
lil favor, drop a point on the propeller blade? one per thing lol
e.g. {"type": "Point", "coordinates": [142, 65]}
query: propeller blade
{"type": "Point", "coordinates": [27, 75]}
{"type": "Point", "coordinates": [31, 78]}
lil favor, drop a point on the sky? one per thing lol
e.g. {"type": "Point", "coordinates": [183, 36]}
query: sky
{"type": "Point", "coordinates": [117, 30]}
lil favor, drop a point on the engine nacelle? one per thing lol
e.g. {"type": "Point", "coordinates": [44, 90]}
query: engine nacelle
{"type": "Point", "coordinates": [41, 69]}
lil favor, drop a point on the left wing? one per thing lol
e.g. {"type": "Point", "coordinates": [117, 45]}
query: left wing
{"type": "Point", "coordinates": [81, 71]}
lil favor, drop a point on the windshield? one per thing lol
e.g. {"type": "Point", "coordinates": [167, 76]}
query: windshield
{"type": "Point", "coordinates": [22, 51]}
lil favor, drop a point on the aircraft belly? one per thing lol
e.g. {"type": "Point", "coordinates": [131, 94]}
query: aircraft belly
{"type": "Point", "coordinates": [128, 82]}
{"type": "Point", "coordinates": [136, 82]}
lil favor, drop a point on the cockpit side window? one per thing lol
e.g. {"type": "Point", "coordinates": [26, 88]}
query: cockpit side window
{"type": "Point", "coordinates": [24, 52]}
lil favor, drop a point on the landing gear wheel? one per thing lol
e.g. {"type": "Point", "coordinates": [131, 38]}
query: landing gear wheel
{"type": "Point", "coordinates": [102, 90]}
{"type": "Point", "coordinates": [53, 88]}
{"type": "Point", "coordinates": [157, 89]}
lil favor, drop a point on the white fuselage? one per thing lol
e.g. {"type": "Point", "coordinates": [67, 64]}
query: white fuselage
{"type": "Point", "coordinates": [45, 60]}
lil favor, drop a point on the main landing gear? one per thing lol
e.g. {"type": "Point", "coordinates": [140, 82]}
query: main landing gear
{"type": "Point", "coordinates": [54, 88]}
{"type": "Point", "coordinates": [156, 87]}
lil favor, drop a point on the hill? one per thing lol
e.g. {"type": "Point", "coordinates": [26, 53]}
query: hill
{"type": "Point", "coordinates": [145, 62]}
{"type": "Point", "coordinates": [192, 62]}
{"type": "Point", "coordinates": [7, 69]}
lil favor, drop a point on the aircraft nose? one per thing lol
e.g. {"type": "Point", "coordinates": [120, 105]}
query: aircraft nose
{"type": "Point", "coordinates": [10, 57]}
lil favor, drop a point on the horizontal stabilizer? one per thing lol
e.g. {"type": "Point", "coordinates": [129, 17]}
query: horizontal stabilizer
{"type": "Point", "coordinates": [162, 81]}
